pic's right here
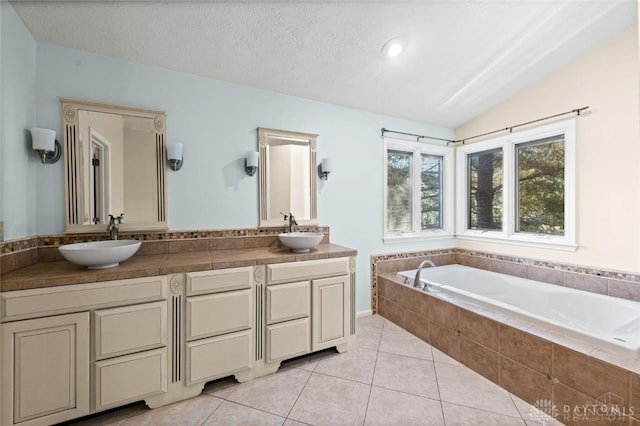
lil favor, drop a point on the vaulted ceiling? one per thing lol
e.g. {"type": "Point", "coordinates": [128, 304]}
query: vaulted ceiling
{"type": "Point", "coordinates": [462, 57]}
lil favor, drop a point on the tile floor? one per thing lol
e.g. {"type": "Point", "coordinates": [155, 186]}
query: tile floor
{"type": "Point", "coordinates": [393, 378]}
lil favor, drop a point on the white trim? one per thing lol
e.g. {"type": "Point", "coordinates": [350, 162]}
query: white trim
{"type": "Point", "coordinates": [508, 234]}
{"type": "Point", "coordinates": [448, 185]}
{"type": "Point", "coordinates": [366, 313]}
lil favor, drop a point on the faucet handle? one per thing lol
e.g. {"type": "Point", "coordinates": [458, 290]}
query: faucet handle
{"type": "Point", "coordinates": [285, 216]}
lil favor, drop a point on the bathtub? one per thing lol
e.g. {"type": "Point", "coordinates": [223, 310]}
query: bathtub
{"type": "Point", "coordinates": [605, 321]}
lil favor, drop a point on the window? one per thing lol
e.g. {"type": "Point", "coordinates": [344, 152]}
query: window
{"type": "Point", "coordinates": [520, 187]}
{"type": "Point", "coordinates": [417, 177]}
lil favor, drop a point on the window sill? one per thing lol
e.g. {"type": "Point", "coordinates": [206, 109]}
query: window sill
{"type": "Point", "coordinates": [404, 238]}
{"type": "Point", "coordinates": [541, 242]}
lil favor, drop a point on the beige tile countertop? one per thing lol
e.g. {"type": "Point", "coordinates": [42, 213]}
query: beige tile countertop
{"type": "Point", "coordinates": [49, 274]}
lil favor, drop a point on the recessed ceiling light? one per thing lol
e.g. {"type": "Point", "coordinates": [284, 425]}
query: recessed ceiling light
{"type": "Point", "coordinates": [394, 47]}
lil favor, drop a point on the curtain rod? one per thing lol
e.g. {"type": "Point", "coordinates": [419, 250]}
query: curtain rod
{"type": "Point", "coordinates": [576, 111]}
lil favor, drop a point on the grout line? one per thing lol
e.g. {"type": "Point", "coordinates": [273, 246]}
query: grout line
{"type": "Point", "coordinates": [216, 409]}
{"type": "Point", "coordinates": [435, 371]}
{"type": "Point", "coordinates": [375, 364]}
{"type": "Point", "coordinates": [247, 406]}
{"type": "Point", "coordinates": [300, 394]}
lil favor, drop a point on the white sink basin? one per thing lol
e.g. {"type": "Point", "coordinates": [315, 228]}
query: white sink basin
{"type": "Point", "coordinates": [100, 254]}
{"type": "Point", "coordinates": [300, 242]}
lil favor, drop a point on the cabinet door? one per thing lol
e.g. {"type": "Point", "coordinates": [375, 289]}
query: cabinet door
{"type": "Point", "coordinates": [288, 301]}
{"type": "Point", "coordinates": [330, 314]}
{"type": "Point", "coordinates": [288, 339]}
{"type": "Point", "coordinates": [121, 331]}
{"type": "Point", "coordinates": [45, 370]}
{"type": "Point", "coordinates": [216, 357]}
{"type": "Point", "coordinates": [220, 313]}
{"type": "Point", "coordinates": [130, 378]}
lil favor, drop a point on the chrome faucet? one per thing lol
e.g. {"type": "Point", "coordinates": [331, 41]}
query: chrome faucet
{"type": "Point", "coordinates": [114, 223]}
{"type": "Point", "coordinates": [292, 221]}
{"type": "Point", "coordinates": [416, 282]}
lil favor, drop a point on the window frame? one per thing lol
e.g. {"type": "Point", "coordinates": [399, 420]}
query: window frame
{"type": "Point", "coordinates": [508, 144]}
{"type": "Point", "coordinates": [447, 183]}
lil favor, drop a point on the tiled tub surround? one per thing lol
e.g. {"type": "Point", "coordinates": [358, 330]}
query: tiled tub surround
{"type": "Point", "coordinates": [532, 362]}
{"type": "Point", "coordinates": [624, 285]}
{"type": "Point", "coordinates": [17, 254]}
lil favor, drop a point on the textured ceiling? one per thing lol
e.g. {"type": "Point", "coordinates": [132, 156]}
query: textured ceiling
{"type": "Point", "coordinates": [463, 57]}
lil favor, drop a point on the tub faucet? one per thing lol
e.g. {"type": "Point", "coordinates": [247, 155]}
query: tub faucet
{"type": "Point", "coordinates": [416, 282]}
{"type": "Point", "coordinates": [114, 223]}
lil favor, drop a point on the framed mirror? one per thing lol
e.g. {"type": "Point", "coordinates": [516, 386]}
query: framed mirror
{"type": "Point", "coordinates": [287, 177]}
{"type": "Point", "coordinates": [115, 162]}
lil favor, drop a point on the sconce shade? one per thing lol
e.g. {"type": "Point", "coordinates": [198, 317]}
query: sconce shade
{"type": "Point", "coordinates": [327, 165]}
{"type": "Point", "coordinates": [43, 139]}
{"type": "Point", "coordinates": [174, 155]}
{"type": "Point", "coordinates": [324, 168]}
{"type": "Point", "coordinates": [174, 151]}
{"type": "Point", "coordinates": [251, 162]}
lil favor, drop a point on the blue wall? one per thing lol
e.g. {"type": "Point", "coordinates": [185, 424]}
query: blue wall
{"type": "Point", "coordinates": [217, 123]}
{"type": "Point", "coordinates": [18, 163]}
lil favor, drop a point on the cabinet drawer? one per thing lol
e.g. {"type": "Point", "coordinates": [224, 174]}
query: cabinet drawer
{"type": "Point", "coordinates": [130, 329]}
{"type": "Point", "coordinates": [216, 357]}
{"type": "Point", "coordinates": [23, 304]}
{"type": "Point", "coordinates": [218, 314]}
{"type": "Point", "coordinates": [216, 281]}
{"type": "Point", "coordinates": [308, 269]}
{"type": "Point", "coordinates": [288, 301]}
{"type": "Point", "coordinates": [288, 339]}
{"type": "Point", "coordinates": [130, 378]}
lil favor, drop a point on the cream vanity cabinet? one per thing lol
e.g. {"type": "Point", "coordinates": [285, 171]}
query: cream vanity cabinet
{"type": "Point", "coordinates": [73, 350]}
{"type": "Point", "coordinates": [309, 306]}
{"type": "Point", "coordinates": [219, 322]}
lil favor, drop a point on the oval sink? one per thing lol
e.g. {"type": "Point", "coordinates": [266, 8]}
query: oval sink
{"type": "Point", "coordinates": [300, 242]}
{"type": "Point", "coordinates": [100, 254]}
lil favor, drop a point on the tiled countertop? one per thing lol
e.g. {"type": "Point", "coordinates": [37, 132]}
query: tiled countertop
{"type": "Point", "coordinates": [49, 274]}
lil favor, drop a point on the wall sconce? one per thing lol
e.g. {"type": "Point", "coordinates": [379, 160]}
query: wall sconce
{"type": "Point", "coordinates": [174, 155]}
{"type": "Point", "coordinates": [43, 141]}
{"type": "Point", "coordinates": [251, 163]}
{"type": "Point", "coordinates": [324, 168]}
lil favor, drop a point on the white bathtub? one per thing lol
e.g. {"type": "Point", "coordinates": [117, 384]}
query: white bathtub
{"type": "Point", "coordinates": [606, 321]}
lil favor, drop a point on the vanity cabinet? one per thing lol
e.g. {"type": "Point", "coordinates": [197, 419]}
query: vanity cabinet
{"type": "Point", "coordinates": [73, 350]}
{"type": "Point", "coordinates": [308, 307]}
{"type": "Point", "coordinates": [219, 323]}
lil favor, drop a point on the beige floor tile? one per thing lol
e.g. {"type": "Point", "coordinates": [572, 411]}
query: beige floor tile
{"type": "Point", "coordinates": [275, 394]}
{"type": "Point", "coordinates": [439, 356]}
{"type": "Point", "coordinates": [111, 418]}
{"type": "Point", "coordinates": [329, 400]}
{"type": "Point", "coordinates": [370, 321]}
{"type": "Point", "coordinates": [221, 388]}
{"type": "Point", "coordinates": [291, 422]}
{"type": "Point", "coordinates": [390, 326]}
{"type": "Point", "coordinates": [193, 411]}
{"type": "Point", "coordinates": [405, 344]}
{"type": "Point", "coordinates": [230, 413]}
{"type": "Point", "coordinates": [457, 415]}
{"type": "Point", "coordinates": [463, 386]}
{"type": "Point", "coordinates": [369, 337]}
{"type": "Point", "coordinates": [404, 374]}
{"type": "Point", "coordinates": [389, 407]}
{"type": "Point", "coordinates": [357, 364]}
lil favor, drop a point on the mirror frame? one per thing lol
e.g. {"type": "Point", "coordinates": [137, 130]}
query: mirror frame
{"type": "Point", "coordinates": [264, 137]}
{"type": "Point", "coordinates": [73, 185]}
